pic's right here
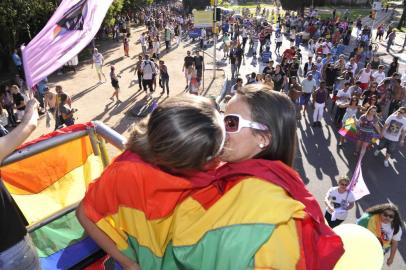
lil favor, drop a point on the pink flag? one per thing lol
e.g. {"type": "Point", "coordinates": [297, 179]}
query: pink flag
{"type": "Point", "coordinates": [357, 184]}
{"type": "Point", "coordinates": [67, 33]}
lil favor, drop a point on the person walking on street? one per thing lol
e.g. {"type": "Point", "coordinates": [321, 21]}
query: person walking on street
{"type": "Point", "coordinates": [139, 71]}
{"type": "Point", "coordinates": [199, 65]}
{"type": "Point", "coordinates": [98, 61]}
{"type": "Point", "coordinates": [188, 62]}
{"type": "Point", "coordinates": [148, 71]}
{"type": "Point", "coordinates": [309, 86]}
{"type": "Point", "coordinates": [338, 201]}
{"type": "Point", "coordinates": [391, 37]}
{"type": "Point", "coordinates": [114, 83]}
{"type": "Point", "coordinates": [319, 102]}
{"type": "Point", "coordinates": [393, 133]}
{"type": "Point", "coordinates": [164, 77]}
{"type": "Point", "coordinates": [126, 44]}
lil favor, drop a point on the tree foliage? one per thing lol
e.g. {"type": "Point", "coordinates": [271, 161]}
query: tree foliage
{"type": "Point", "coordinates": [21, 20]}
{"type": "Point", "coordinates": [189, 5]}
{"type": "Point", "coordinates": [299, 4]}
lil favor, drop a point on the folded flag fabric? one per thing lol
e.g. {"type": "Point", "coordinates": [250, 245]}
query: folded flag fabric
{"type": "Point", "coordinates": [70, 29]}
{"type": "Point", "coordinates": [46, 183]}
{"type": "Point", "coordinates": [167, 222]}
{"type": "Point", "coordinates": [373, 223]}
{"type": "Point", "coordinates": [55, 178]}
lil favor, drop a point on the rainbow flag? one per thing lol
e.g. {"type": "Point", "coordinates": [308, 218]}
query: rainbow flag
{"type": "Point", "coordinates": [163, 221]}
{"type": "Point", "coordinates": [373, 223]}
{"type": "Point", "coordinates": [48, 182]}
{"type": "Point", "coordinates": [349, 130]}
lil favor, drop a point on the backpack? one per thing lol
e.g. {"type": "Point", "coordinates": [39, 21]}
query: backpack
{"type": "Point", "coordinates": [146, 63]}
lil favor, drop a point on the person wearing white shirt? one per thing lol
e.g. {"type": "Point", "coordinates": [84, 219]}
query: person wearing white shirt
{"type": "Point", "coordinates": [338, 201]}
{"type": "Point", "coordinates": [384, 221]}
{"type": "Point", "coordinates": [98, 61]}
{"type": "Point", "coordinates": [393, 132]}
{"type": "Point", "coordinates": [353, 65]}
{"type": "Point", "coordinates": [379, 75]}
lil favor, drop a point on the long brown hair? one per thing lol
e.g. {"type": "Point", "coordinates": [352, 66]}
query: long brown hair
{"type": "Point", "coordinates": [380, 208]}
{"type": "Point", "coordinates": [184, 132]}
{"type": "Point", "coordinates": [277, 112]}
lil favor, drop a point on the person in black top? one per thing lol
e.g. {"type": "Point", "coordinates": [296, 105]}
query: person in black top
{"type": "Point", "coordinates": [16, 250]}
{"type": "Point", "coordinates": [199, 65]}
{"type": "Point", "coordinates": [18, 100]}
{"type": "Point", "coordinates": [233, 61]}
{"type": "Point", "coordinates": [269, 68]}
{"type": "Point", "coordinates": [239, 54]}
{"type": "Point", "coordinates": [188, 61]}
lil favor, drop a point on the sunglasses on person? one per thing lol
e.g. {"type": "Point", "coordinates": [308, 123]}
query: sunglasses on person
{"type": "Point", "coordinates": [343, 184]}
{"type": "Point", "coordinates": [388, 215]}
{"type": "Point", "coordinates": [234, 123]}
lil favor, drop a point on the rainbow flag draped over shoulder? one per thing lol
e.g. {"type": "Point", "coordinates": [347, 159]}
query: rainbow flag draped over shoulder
{"type": "Point", "coordinates": [373, 223]}
{"type": "Point", "coordinates": [166, 222]}
{"type": "Point", "coordinates": [48, 182]}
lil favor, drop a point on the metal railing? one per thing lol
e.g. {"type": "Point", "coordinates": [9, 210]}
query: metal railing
{"type": "Point", "coordinates": [98, 134]}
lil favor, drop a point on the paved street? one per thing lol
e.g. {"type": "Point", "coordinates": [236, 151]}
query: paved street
{"type": "Point", "coordinates": [319, 161]}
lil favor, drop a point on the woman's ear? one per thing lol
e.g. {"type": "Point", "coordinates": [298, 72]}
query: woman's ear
{"type": "Point", "coordinates": [264, 139]}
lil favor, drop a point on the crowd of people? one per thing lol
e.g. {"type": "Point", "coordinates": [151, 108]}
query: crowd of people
{"type": "Point", "coordinates": [254, 137]}
{"type": "Point", "coordinates": [357, 86]}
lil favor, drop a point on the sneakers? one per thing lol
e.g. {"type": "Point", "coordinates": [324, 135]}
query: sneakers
{"type": "Point", "coordinates": [386, 163]}
{"type": "Point", "coordinates": [376, 153]}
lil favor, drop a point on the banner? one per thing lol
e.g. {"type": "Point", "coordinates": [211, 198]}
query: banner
{"type": "Point", "coordinates": [67, 33]}
{"type": "Point", "coordinates": [202, 18]}
{"type": "Point", "coordinates": [357, 184]}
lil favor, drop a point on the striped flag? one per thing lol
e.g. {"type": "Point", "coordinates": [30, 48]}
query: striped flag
{"type": "Point", "coordinates": [357, 184]}
{"type": "Point", "coordinates": [67, 33]}
{"type": "Point", "coordinates": [48, 182]}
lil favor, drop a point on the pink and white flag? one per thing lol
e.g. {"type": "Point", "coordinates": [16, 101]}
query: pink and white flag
{"type": "Point", "coordinates": [70, 29]}
{"type": "Point", "coordinates": [357, 184]}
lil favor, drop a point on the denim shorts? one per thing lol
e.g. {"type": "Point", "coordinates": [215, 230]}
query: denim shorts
{"type": "Point", "coordinates": [21, 256]}
{"type": "Point", "coordinates": [388, 144]}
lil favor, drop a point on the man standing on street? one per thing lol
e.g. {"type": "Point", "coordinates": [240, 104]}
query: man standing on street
{"type": "Point", "coordinates": [199, 65]}
{"type": "Point", "coordinates": [391, 37]}
{"type": "Point", "coordinates": [98, 61]}
{"type": "Point", "coordinates": [308, 86]}
{"type": "Point", "coordinates": [148, 72]}
{"type": "Point", "coordinates": [187, 63]}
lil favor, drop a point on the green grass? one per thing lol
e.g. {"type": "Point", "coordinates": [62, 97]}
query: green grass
{"type": "Point", "coordinates": [353, 15]}
{"type": "Point", "coordinates": [403, 29]}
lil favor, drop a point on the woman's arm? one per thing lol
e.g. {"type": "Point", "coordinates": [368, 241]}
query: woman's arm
{"type": "Point", "coordinates": [19, 134]}
{"type": "Point", "coordinates": [393, 249]}
{"type": "Point", "coordinates": [104, 241]}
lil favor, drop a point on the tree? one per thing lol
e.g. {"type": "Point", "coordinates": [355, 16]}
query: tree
{"type": "Point", "coordinates": [300, 4]}
{"type": "Point", "coordinates": [20, 20]}
{"type": "Point", "coordinates": [189, 5]}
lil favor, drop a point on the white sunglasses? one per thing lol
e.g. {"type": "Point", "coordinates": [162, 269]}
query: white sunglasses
{"type": "Point", "coordinates": [234, 123]}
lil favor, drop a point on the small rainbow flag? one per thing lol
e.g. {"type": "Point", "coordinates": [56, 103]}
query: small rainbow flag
{"type": "Point", "coordinates": [349, 130]}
